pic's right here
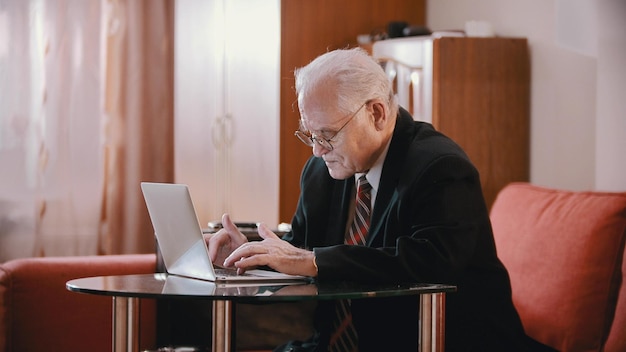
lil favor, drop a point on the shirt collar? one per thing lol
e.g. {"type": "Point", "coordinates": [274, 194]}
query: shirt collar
{"type": "Point", "coordinates": [374, 173]}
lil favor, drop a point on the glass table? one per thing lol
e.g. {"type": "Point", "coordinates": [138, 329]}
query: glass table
{"type": "Point", "coordinates": [126, 291]}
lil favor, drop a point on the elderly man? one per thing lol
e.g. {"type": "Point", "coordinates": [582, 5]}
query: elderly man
{"type": "Point", "coordinates": [418, 216]}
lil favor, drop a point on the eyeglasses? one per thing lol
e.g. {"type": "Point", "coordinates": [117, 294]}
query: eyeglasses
{"type": "Point", "coordinates": [310, 139]}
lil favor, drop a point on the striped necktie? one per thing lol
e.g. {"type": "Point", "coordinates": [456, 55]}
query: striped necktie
{"type": "Point", "coordinates": [344, 337]}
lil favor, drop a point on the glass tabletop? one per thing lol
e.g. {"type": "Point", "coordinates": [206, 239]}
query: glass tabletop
{"type": "Point", "coordinates": [160, 285]}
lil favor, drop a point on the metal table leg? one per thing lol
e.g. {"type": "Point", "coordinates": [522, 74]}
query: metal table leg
{"type": "Point", "coordinates": [432, 320]}
{"type": "Point", "coordinates": [222, 326]}
{"type": "Point", "coordinates": [125, 324]}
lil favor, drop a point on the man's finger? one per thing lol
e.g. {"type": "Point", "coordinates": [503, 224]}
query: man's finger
{"type": "Point", "coordinates": [265, 233]}
{"type": "Point", "coordinates": [228, 224]}
{"type": "Point", "coordinates": [214, 244]}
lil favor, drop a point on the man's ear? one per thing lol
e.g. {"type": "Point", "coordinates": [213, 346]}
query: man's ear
{"type": "Point", "coordinates": [380, 112]}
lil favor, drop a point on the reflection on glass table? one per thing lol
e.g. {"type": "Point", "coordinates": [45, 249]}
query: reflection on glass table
{"type": "Point", "coordinates": [126, 291]}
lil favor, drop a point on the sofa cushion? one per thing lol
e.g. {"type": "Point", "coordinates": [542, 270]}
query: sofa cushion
{"type": "Point", "coordinates": [564, 253]}
{"type": "Point", "coordinates": [616, 342]}
{"type": "Point", "coordinates": [37, 312]}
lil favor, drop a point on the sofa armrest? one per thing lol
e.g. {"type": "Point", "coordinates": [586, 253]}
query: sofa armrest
{"type": "Point", "coordinates": [37, 312]}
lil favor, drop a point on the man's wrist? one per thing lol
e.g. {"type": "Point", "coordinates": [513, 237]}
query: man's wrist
{"type": "Point", "coordinates": [314, 260]}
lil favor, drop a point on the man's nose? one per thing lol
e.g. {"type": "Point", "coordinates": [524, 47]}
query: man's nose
{"type": "Point", "coordinates": [318, 150]}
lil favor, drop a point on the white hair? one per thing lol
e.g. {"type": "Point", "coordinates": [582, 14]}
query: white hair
{"type": "Point", "coordinates": [356, 76]}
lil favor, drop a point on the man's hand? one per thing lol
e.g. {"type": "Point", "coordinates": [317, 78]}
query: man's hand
{"type": "Point", "coordinates": [273, 252]}
{"type": "Point", "coordinates": [222, 243]}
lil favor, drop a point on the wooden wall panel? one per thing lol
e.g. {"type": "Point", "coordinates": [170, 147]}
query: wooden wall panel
{"type": "Point", "coordinates": [310, 28]}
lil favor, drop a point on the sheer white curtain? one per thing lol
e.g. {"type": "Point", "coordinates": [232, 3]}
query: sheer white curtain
{"type": "Point", "coordinates": [76, 89]}
{"type": "Point", "coordinates": [139, 105]}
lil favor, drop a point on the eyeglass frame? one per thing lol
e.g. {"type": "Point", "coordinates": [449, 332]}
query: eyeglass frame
{"type": "Point", "coordinates": [310, 139]}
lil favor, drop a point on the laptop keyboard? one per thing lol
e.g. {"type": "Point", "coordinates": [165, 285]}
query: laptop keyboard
{"type": "Point", "coordinates": [228, 272]}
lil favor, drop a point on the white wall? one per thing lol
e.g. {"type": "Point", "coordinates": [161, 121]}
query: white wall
{"type": "Point", "coordinates": [578, 82]}
{"type": "Point", "coordinates": [611, 96]}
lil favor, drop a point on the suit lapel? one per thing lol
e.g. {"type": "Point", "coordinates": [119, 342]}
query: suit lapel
{"type": "Point", "coordinates": [339, 209]}
{"type": "Point", "coordinates": [394, 161]}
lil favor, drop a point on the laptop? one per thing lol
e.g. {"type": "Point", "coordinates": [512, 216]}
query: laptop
{"type": "Point", "coordinates": [179, 237]}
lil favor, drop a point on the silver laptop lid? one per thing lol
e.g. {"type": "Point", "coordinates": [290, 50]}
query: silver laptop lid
{"type": "Point", "coordinates": [180, 239]}
{"type": "Point", "coordinates": [177, 230]}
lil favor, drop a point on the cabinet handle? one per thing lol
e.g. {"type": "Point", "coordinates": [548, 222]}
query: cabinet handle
{"type": "Point", "coordinates": [222, 131]}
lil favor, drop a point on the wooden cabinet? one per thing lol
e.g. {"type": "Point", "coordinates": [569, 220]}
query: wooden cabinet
{"type": "Point", "coordinates": [474, 90]}
{"type": "Point", "coordinates": [481, 99]}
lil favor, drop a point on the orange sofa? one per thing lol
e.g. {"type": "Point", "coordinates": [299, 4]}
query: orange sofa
{"type": "Point", "coordinates": [565, 255]}
{"type": "Point", "coordinates": [37, 313]}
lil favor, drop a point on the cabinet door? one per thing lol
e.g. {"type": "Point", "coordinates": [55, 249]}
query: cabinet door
{"type": "Point", "coordinates": [481, 99]}
{"type": "Point", "coordinates": [227, 107]}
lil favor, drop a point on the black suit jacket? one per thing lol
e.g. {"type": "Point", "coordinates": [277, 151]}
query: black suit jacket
{"type": "Point", "coordinates": [430, 224]}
